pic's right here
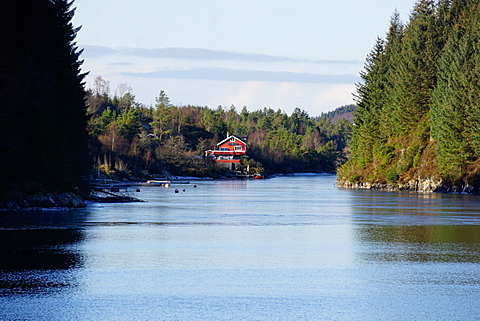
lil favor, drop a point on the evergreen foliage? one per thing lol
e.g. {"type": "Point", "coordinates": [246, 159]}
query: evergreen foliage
{"type": "Point", "coordinates": [138, 139]}
{"type": "Point", "coordinates": [42, 108]}
{"type": "Point", "coordinates": [343, 112]}
{"type": "Point", "coordinates": [50, 127]}
{"type": "Point", "coordinates": [418, 110]}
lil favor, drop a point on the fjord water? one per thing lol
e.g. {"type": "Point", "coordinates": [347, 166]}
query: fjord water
{"type": "Point", "coordinates": [288, 248]}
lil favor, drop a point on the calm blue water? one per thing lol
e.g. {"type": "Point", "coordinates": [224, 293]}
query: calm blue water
{"type": "Point", "coordinates": [288, 248]}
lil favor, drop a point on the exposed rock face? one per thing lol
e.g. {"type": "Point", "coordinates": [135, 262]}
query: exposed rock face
{"type": "Point", "coordinates": [428, 185]}
{"type": "Point", "coordinates": [421, 185]}
{"type": "Point", "coordinates": [366, 185]}
{"type": "Point", "coordinates": [44, 202]}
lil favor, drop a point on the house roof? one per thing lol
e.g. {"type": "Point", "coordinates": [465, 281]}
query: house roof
{"type": "Point", "coordinates": [228, 138]}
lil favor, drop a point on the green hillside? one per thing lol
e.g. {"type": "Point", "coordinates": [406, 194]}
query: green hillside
{"type": "Point", "coordinates": [417, 123]}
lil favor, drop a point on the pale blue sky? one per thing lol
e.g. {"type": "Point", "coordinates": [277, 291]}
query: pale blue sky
{"type": "Point", "coordinates": [254, 53]}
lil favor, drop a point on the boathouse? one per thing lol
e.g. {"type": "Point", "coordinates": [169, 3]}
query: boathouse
{"type": "Point", "coordinates": [229, 151]}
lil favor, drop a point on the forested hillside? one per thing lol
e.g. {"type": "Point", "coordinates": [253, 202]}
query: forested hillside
{"type": "Point", "coordinates": [417, 123]}
{"type": "Point", "coordinates": [343, 112]}
{"type": "Point", "coordinates": [129, 138]}
{"type": "Point", "coordinates": [55, 135]}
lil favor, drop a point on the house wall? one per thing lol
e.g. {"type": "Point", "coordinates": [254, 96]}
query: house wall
{"type": "Point", "coordinates": [231, 145]}
{"type": "Point", "coordinates": [225, 153]}
{"type": "Point", "coordinates": [230, 164]}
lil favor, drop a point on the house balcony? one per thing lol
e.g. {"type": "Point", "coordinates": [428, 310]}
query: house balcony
{"type": "Point", "coordinates": [216, 153]}
{"type": "Point", "coordinates": [237, 161]}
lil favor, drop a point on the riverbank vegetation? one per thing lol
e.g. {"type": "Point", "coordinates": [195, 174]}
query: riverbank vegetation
{"type": "Point", "coordinates": [131, 139]}
{"type": "Point", "coordinates": [419, 102]}
{"type": "Point", "coordinates": [56, 136]}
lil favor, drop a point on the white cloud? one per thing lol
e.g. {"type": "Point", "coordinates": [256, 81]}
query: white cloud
{"type": "Point", "coordinates": [198, 54]}
{"type": "Point", "coordinates": [314, 98]}
{"type": "Point", "coordinates": [247, 94]}
{"type": "Point", "coordinates": [337, 94]}
{"type": "Point", "coordinates": [244, 75]}
{"type": "Point", "coordinates": [310, 86]}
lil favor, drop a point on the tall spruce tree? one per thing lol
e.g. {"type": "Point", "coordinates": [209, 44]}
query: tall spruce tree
{"type": "Point", "coordinates": [42, 109]}
{"type": "Point", "coordinates": [393, 49]}
{"type": "Point", "coordinates": [415, 77]}
{"type": "Point", "coordinates": [448, 109]}
{"type": "Point", "coordinates": [449, 103]}
{"type": "Point", "coordinates": [373, 117]}
{"type": "Point", "coordinates": [471, 79]}
{"type": "Point", "coordinates": [432, 88]}
{"type": "Point", "coordinates": [370, 101]}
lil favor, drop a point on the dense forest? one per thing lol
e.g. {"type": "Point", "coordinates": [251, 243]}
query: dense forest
{"type": "Point", "coordinates": [418, 111]}
{"type": "Point", "coordinates": [131, 139]}
{"type": "Point", "coordinates": [42, 101]}
{"type": "Point", "coordinates": [56, 136]}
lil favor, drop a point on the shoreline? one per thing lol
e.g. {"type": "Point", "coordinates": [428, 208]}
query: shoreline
{"type": "Point", "coordinates": [413, 186]}
{"type": "Point", "coordinates": [44, 202]}
{"type": "Point", "coordinates": [68, 201]}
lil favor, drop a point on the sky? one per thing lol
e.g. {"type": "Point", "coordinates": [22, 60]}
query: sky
{"type": "Point", "coordinates": [279, 54]}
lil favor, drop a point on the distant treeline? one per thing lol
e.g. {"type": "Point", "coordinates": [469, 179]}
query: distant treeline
{"type": "Point", "coordinates": [343, 112]}
{"type": "Point", "coordinates": [130, 138]}
{"type": "Point", "coordinates": [54, 135]}
{"type": "Point", "coordinates": [418, 113]}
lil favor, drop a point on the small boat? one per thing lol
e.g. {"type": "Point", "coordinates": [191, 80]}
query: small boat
{"type": "Point", "coordinates": [159, 183]}
{"type": "Point", "coordinates": [258, 176]}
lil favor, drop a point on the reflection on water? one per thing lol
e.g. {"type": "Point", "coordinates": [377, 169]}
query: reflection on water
{"type": "Point", "coordinates": [45, 249]}
{"type": "Point", "coordinates": [415, 208]}
{"type": "Point", "coordinates": [411, 227]}
{"type": "Point", "coordinates": [288, 248]}
{"type": "Point", "coordinates": [463, 235]}
{"type": "Point", "coordinates": [431, 243]}
{"type": "Point", "coordinates": [38, 252]}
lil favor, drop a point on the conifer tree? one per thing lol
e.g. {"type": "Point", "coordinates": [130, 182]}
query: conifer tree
{"type": "Point", "coordinates": [392, 60]}
{"type": "Point", "coordinates": [42, 99]}
{"type": "Point", "coordinates": [416, 73]}
{"type": "Point", "coordinates": [448, 109]}
{"type": "Point", "coordinates": [432, 90]}
{"type": "Point", "coordinates": [370, 101]}
{"type": "Point", "coordinates": [471, 79]}
{"type": "Point", "coordinates": [455, 105]}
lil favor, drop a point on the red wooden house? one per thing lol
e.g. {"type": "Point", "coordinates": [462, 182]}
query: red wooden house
{"type": "Point", "coordinates": [229, 151]}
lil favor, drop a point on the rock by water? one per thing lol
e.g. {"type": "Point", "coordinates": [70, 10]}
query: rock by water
{"type": "Point", "coordinates": [428, 185]}
{"type": "Point", "coordinates": [43, 202]}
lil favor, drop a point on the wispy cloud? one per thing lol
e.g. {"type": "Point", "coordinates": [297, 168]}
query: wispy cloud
{"type": "Point", "coordinates": [97, 51]}
{"type": "Point", "coordinates": [246, 75]}
{"type": "Point", "coordinates": [121, 64]}
{"type": "Point", "coordinates": [197, 54]}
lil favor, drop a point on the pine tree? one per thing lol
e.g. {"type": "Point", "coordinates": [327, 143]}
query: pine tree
{"type": "Point", "coordinates": [370, 101]}
{"type": "Point", "coordinates": [42, 99]}
{"type": "Point", "coordinates": [393, 49]}
{"type": "Point", "coordinates": [432, 88]}
{"type": "Point", "coordinates": [471, 80]}
{"type": "Point", "coordinates": [415, 77]}
{"type": "Point", "coordinates": [448, 109]}
{"type": "Point", "coordinates": [455, 106]}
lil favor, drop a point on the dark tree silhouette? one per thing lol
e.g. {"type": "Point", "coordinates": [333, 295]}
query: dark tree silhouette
{"type": "Point", "coordinates": [43, 140]}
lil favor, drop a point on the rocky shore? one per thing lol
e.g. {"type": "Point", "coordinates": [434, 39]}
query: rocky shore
{"type": "Point", "coordinates": [54, 201]}
{"type": "Point", "coordinates": [413, 185]}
